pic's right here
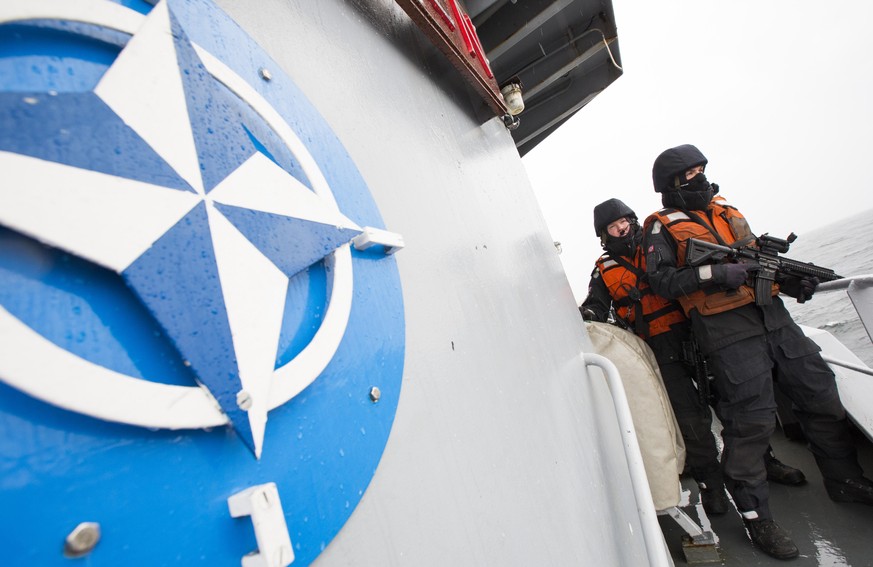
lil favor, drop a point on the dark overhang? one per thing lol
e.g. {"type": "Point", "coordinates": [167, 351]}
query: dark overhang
{"type": "Point", "coordinates": [564, 52]}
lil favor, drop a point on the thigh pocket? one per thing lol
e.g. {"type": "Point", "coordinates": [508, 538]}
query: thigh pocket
{"type": "Point", "coordinates": [799, 347]}
{"type": "Point", "coordinates": [739, 369]}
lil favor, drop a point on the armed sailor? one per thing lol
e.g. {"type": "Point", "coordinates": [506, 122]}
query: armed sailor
{"type": "Point", "coordinates": [618, 281]}
{"type": "Point", "coordinates": [752, 348]}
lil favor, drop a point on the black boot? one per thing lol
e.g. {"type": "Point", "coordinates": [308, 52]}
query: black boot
{"type": "Point", "coordinates": [713, 498]}
{"type": "Point", "coordinates": [777, 471]}
{"type": "Point", "coordinates": [850, 490]}
{"type": "Point", "coordinates": [771, 539]}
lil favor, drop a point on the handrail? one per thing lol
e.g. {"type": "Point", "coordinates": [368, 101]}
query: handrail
{"type": "Point", "coordinates": [860, 291]}
{"type": "Point", "coordinates": [843, 283]}
{"type": "Point", "coordinates": [654, 539]}
{"type": "Point", "coordinates": [849, 365]}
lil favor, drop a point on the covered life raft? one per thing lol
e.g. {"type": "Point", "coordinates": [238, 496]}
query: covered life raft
{"type": "Point", "coordinates": [661, 444]}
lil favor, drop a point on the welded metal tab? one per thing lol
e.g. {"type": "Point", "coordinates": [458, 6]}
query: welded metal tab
{"type": "Point", "coordinates": [263, 505]}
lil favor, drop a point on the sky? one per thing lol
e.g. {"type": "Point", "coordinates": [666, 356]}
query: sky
{"type": "Point", "coordinates": [778, 94]}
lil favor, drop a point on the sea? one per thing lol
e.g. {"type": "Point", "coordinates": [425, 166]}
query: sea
{"type": "Point", "coordinates": [845, 248]}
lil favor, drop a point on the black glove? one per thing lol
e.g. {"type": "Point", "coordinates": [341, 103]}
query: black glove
{"type": "Point", "coordinates": [730, 276]}
{"type": "Point", "coordinates": [587, 314]}
{"type": "Point", "coordinates": [799, 287]}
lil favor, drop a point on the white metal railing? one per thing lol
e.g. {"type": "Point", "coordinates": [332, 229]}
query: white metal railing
{"type": "Point", "coordinates": [654, 539]}
{"type": "Point", "coordinates": [843, 283]}
{"type": "Point", "coordinates": [849, 365]}
{"type": "Point", "coordinates": [860, 291]}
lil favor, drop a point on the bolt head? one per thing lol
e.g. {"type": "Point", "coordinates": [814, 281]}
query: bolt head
{"type": "Point", "coordinates": [243, 400]}
{"type": "Point", "coordinates": [265, 74]}
{"type": "Point", "coordinates": [375, 394]}
{"type": "Point", "coordinates": [82, 539]}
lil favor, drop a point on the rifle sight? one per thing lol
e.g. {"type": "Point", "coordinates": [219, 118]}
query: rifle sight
{"type": "Point", "coordinates": [775, 245]}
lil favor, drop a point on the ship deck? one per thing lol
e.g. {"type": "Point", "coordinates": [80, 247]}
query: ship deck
{"type": "Point", "coordinates": [828, 534]}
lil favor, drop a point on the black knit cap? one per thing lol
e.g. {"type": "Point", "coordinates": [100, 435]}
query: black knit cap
{"type": "Point", "coordinates": [609, 211]}
{"type": "Point", "coordinates": [673, 162]}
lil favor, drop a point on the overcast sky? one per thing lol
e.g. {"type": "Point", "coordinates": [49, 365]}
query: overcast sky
{"type": "Point", "coordinates": [778, 94]}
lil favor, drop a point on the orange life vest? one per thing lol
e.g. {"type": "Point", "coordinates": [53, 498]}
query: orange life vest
{"type": "Point", "coordinates": [723, 225]}
{"type": "Point", "coordinates": [631, 295]}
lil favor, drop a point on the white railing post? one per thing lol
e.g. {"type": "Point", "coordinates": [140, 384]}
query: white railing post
{"type": "Point", "coordinates": [654, 539]}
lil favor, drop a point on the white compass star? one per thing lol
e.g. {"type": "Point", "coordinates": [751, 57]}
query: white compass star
{"type": "Point", "coordinates": [210, 250]}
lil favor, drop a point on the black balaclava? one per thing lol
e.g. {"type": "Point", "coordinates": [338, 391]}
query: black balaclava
{"type": "Point", "coordinates": [624, 245]}
{"type": "Point", "coordinates": [668, 176]}
{"type": "Point", "coordinates": [608, 212]}
{"type": "Point", "coordinates": [693, 195]}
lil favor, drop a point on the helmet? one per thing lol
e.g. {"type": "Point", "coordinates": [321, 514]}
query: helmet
{"type": "Point", "coordinates": [673, 162]}
{"type": "Point", "coordinates": [609, 211]}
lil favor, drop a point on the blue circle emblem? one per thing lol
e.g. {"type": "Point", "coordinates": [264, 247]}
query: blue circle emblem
{"type": "Point", "coordinates": [198, 297]}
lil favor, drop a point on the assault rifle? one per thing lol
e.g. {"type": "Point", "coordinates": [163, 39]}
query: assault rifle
{"type": "Point", "coordinates": [764, 255]}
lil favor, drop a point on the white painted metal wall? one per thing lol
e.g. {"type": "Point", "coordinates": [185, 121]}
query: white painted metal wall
{"type": "Point", "coordinates": [504, 451]}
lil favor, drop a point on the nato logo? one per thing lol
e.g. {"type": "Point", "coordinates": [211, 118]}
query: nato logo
{"type": "Point", "coordinates": [201, 324]}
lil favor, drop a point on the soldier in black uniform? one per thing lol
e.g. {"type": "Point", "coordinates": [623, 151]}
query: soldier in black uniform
{"type": "Point", "coordinates": [751, 347]}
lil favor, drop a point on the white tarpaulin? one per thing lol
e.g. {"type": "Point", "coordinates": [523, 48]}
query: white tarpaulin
{"type": "Point", "coordinates": [661, 443]}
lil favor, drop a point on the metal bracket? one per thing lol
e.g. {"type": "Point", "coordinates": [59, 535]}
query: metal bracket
{"type": "Point", "coordinates": [271, 532]}
{"type": "Point", "coordinates": [372, 236]}
{"type": "Point", "coordinates": [685, 522]}
{"type": "Point", "coordinates": [699, 546]}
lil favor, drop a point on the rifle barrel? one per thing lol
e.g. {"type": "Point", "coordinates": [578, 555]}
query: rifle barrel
{"type": "Point", "coordinates": [823, 274]}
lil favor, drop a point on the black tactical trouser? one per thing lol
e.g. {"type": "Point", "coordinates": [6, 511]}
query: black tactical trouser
{"type": "Point", "coordinates": [744, 377]}
{"type": "Point", "coordinates": [695, 422]}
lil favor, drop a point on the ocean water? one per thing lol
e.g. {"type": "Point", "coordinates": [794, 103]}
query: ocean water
{"type": "Point", "coordinates": [848, 250]}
